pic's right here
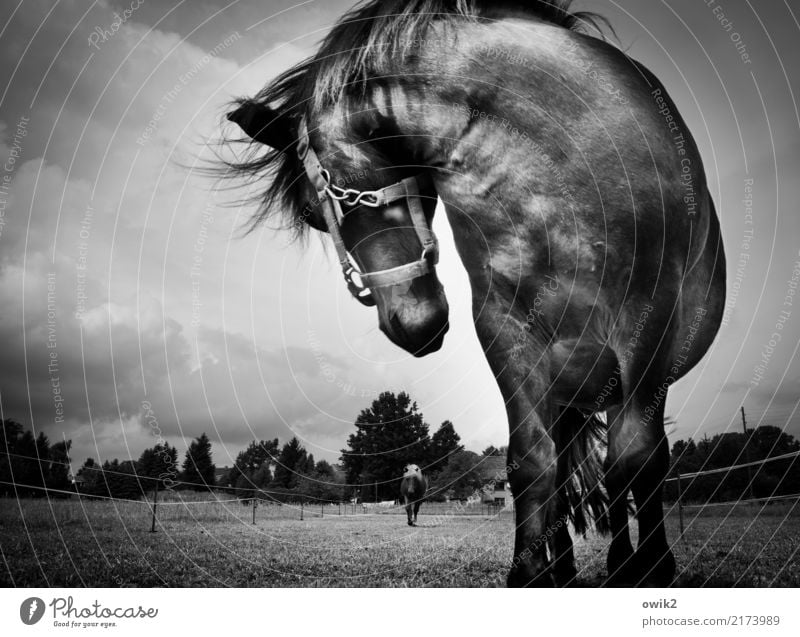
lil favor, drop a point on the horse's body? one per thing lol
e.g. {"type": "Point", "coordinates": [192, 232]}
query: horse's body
{"type": "Point", "coordinates": [580, 211]}
{"type": "Point", "coordinates": [413, 487]}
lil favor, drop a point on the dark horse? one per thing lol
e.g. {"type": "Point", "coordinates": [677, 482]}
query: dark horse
{"type": "Point", "coordinates": [581, 214]}
{"type": "Point", "coordinates": [412, 491]}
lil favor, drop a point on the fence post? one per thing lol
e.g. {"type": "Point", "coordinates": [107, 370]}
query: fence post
{"type": "Point", "coordinates": [322, 510]}
{"type": "Point", "coordinates": [155, 504]}
{"type": "Point", "coordinates": [340, 508]}
{"type": "Point", "coordinates": [301, 509]}
{"type": "Point", "coordinates": [255, 504]}
{"type": "Point", "coordinates": [680, 503]}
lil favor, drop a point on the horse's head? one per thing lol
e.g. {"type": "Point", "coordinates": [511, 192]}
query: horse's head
{"type": "Point", "coordinates": [411, 470]}
{"type": "Point", "coordinates": [385, 231]}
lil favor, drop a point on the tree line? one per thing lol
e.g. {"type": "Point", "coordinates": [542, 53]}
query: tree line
{"type": "Point", "coordinates": [285, 474]}
{"type": "Point", "coordinates": [776, 478]}
{"type": "Point", "coordinates": [389, 434]}
{"type": "Point", "coordinates": [29, 465]}
{"type": "Point", "coordinates": [31, 460]}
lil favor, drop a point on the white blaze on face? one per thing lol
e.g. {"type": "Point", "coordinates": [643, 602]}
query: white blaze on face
{"type": "Point", "coordinates": [411, 470]}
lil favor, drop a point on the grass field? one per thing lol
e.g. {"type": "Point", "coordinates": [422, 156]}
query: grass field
{"type": "Point", "coordinates": [71, 543]}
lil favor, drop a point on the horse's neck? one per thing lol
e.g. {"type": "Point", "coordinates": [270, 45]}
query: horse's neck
{"type": "Point", "coordinates": [493, 122]}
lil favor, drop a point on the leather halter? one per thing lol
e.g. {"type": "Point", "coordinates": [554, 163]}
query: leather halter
{"type": "Point", "coordinates": [331, 197]}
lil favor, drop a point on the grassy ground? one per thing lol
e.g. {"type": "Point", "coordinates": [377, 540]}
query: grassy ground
{"type": "Point", "coordinates": [67, 543]}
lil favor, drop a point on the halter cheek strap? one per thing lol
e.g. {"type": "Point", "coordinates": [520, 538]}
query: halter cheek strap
{"type": "Point", "coordinates": [332, 197]}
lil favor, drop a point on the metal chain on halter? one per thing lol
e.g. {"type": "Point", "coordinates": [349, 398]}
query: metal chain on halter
{"type": "Point", "coordinates": [350, 196]}
{"type": "Point", "coordinates": [331, 198]}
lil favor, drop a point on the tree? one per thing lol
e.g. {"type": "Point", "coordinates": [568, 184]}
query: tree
{"type": "Point", "coordinates": [257, 453]}
{"type": "Point", "coordinates": [728, 449]}
{"type": "Point", "coordinates": [58, 471]}
{"type": "Point", "coordinates": [120, 479]}
{"type": "Point", "coordinates": [198, 467]}
{"type": "Point", "coordinates": [26, 465]}
{"type": "Point", "coordinates": [9, 448]}
{"type": "Point", "coordinates": [460, 478]}
{"type": "Point", "coordinates": [159, 461]}
{"type": "Point", "coordinates": [389, 434]}
{"type": "Point", "coordinates": [323, 484]}
{"type": "Point", "coordinates": [91, 477]}
{"type": "Point", "coordinates": [491, 450]}
{"type": "Point", "coordinates": [292, 463]}
{"type": "Point", "coordinates": [259, 456]}
{"type": "Point", "coordinates": [444, 443]}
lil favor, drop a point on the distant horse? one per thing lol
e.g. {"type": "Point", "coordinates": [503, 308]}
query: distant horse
{"type": "Point", "coordinates": [412, 491]}
{"type": "Point", "coordinates": [579, 209]}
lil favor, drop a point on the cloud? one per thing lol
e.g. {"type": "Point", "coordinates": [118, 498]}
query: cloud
{"type": "Point", "coordinates": [253, 338]}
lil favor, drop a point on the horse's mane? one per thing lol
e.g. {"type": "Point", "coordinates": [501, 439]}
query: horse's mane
{"type": "Point", "coordinates": [361, 44]}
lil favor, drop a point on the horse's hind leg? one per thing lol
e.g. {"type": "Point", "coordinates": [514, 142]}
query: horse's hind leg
{"type": "Point", "coordinates": [561, 549]}
{"type": "Point", "coordinates": [638, 459]}
{"type": "Point", "coordinates": [409, 513]}
{"type": "Point", "coordinates": [620, 552]}
{"type": "Point", "coordinates": [416, 510]}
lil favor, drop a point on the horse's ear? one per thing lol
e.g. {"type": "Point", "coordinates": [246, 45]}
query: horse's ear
{"type": "Point", "coordinates": [265, 125]}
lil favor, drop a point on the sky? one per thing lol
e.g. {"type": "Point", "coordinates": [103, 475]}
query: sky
{"type": "Point", "coordinates": [133, 309]}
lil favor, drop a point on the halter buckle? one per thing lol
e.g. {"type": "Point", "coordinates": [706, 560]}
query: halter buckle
{"type": "Point", "coordinates": [357, 289]}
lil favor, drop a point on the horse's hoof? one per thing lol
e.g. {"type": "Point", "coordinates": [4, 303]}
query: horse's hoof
{"type": "Point", "coordinates": [622, 577]}
{"type": "Point", "coordinates": [566, 578]}
{"type": "Point", "coordinates": [639, 572]}
{"type": "Point", "coordinates": [410, 524]}
{"type": "Point", "coordinates": [519, 579]}
{"type": "Point", "coordinates": [660, 575]}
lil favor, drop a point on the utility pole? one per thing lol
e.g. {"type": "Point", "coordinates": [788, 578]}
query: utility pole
{"type": "Point", "coordinates": [747, 456]}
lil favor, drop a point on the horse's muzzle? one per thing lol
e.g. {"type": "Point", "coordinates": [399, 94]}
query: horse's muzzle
{"type": "Point", "coordinates": [416, 322]}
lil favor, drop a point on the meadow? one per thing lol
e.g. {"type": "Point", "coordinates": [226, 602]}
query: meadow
{"type": "Point", "coordinates": [100, 543]}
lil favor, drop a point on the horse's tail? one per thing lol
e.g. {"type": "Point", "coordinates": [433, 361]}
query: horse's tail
{"type": "Point", "coordinates": [580, 443]}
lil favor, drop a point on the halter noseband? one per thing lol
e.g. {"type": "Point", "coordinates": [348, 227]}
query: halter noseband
{"type": "Point", "coordinates": [331, 197]}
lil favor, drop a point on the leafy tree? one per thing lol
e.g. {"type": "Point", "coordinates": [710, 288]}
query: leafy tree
{"type": "Point", "coordinates": [444, 443]}
{"type": "Point", "coordinates": [262, 477]}
{"type": "Point", "coordinates": [258, 453]}
{"type": "Point", "coordinates": [324, 468]}
{"type": "Point", "coordinates": [159, 461]}
{"type": "Point", "coordinates": [728, 449]}
{"type": "Point", "coordinates": [113, 479]}
{"type": "Point", "coordinates": [460, 478]}
{"type": "Point", "coordinates": [198, 467]}
{"type": "Point", "coordinates": [244, 486]}
{"type": "Point", "coordinates": [491, 450]}
{"type": "Point", "coordinates": [121, 479]}
{"type": "Point", "coordinates": [91, 476]}
{"type": "Point", "coordinates": [389, 434]}
{"type": "Point", "coordinates": [323, 484]}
